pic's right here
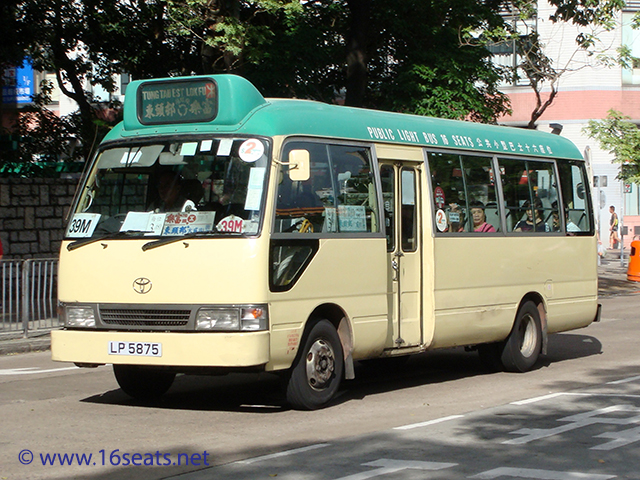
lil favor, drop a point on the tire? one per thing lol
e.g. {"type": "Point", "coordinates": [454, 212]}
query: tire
{"type": "Point", "coordinates": [522, 347]}
{"type": "Point", "coordinates": [490, 356]}
{"type": "Point", "coordinates": [318, 369]}
{"type": "Point", "coordinates": [143, 383]}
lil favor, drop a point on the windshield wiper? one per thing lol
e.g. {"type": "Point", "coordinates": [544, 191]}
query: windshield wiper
{"type": "Point", "coordinates": [109, 236]}
{"type": "Point", "coordinates": [168, 240]}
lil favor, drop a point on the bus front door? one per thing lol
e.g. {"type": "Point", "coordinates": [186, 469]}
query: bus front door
{"type": "Point", "coordinates": [401, 196]}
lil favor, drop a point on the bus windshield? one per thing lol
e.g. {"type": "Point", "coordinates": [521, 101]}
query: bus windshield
{"type": "Point", "coordinates": [174, 188]}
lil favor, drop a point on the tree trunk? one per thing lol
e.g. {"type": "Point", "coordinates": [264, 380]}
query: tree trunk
{"type": "Point", "coordinates": [357, 43]}
{"type": "Point", "coordinates": [540, 106]}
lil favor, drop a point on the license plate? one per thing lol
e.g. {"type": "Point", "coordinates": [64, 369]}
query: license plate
{"type": "Point", "coordinates": [137, 349]}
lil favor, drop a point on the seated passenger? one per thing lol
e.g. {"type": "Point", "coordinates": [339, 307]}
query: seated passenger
{"type": "Point", "coordinates": [528, 224]}
{"type": "Point", "coordinates": [170, 196]}
{"type": "Point", "coordinates": [571, 227]}
{"type": "Point", "coordinates": [456, 218]}
{"type": "Point", "coordinates": [479, 219]}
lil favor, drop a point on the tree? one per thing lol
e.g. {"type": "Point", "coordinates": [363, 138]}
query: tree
{"type": "Point", "coordinates": [400, 56]}
{"type": "Point", "coordinates": [414, 56]}
{"type": "Point", "coordinates": [621, 138]}
{"type": "Point", "coordinates": [593, 16]}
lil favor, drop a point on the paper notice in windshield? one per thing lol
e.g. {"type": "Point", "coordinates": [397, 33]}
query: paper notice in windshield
{"type": "Point", "coordinates": [352, 218]}
{"type": "Point", "coordinates": [254, 188]}
{"type": "Point", "coordinates": [188, 222]}
{"type": "Point", "coordinates": [148, 222]}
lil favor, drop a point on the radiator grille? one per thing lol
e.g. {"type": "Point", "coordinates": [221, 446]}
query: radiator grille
{"type": "Point", "coordinates": [145, 317]}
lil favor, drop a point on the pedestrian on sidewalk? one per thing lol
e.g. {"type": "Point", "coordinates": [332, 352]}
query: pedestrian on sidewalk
{"type": "Point", "coordinates": [613, 228]}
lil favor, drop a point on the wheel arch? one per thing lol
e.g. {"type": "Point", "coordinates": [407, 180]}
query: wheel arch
{"type": "Point", "coordinates": [339, 319]}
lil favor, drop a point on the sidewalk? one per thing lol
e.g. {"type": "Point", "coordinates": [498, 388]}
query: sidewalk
{"type": "Point", "coordinates": [612, 276]}
{"type": "Point", "coordinates": [612, 281]}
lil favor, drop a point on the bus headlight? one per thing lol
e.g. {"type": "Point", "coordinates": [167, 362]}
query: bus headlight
{"type": "Point", "coordinates": [80, 317]}
{"type": "Point", "coordinates": [247, 319]}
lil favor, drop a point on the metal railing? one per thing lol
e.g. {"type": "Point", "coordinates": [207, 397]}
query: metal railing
{"type": "Point", "coordinates": [29, 295]}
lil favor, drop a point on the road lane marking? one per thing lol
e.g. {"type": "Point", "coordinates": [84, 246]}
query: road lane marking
{"type": "Point", "coordinates": [572, 394]}
{"type": "Point", "coordinates": [386, 466]}
{"type": "Point", "coordinates": [548, 397]}
{"type": "Point", "coordinates": [539, 474]}
{"type": "Point", "coordinates": [624, 380]}
{"type": "Point", "coordinates": [619, 439]}
{"type": "Point", "coordinates": [282, 454]}
{"type": "Point", "coordinates": [585, 419]}
{"type": "Point", "coordinates": [33, 370]}
{"type": "Point", "coordinates": [430, 422]}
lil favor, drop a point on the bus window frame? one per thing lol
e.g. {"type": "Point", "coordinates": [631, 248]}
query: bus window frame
{"type": "Point", "coordinates": [589, 207]}
{"type": "Point", "coordinates": [468, 153]}
{"type": "Point", "coordinates": [551, 160]}
{"type": "Point", "coordinates": [495, 163]}
{"type": "Point", "coordinates": [327, 142]}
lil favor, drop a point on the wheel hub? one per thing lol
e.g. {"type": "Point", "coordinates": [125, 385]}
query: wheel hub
{"type": "Point", "coordinates": [528, 332]}
{"type": "Point", "coordinates": [320, 364]}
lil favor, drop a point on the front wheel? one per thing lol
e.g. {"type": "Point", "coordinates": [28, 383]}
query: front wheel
{"type": "Point", "coordinates": [522, 347]}
{"type": "Point", "coordinates": [143, 383]}
{"type": "Point", "coordinates": [317, 370]}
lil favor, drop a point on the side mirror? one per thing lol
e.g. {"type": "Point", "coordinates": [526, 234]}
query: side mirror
{"type": "Point", "coordinates": [299, 165]}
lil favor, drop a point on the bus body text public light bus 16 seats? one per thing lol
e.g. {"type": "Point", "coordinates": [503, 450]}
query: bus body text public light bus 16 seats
{"type": "Point", "coordinates": [219, 231]}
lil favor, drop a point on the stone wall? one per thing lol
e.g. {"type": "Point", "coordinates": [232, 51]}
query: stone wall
{"type": "Point", "coordinates": [32, 212]}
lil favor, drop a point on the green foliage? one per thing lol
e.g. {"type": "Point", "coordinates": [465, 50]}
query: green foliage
{"type": "Point", "coordinates": [620, 137]}
{"type": "Point", "coordinates": [427, 57]}
{"type": "Point", "coordinates": [42, 138]}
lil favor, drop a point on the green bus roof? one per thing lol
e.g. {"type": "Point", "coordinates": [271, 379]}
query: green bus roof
{"type": "Point", "coordinates": [238, 108]}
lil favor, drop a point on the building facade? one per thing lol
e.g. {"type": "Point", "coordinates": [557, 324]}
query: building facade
{"type": "Point", "coordinates": [587, 90]}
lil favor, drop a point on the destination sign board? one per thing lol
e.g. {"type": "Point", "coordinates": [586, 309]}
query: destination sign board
{"type": "Point", "coordinates": [183, 101]}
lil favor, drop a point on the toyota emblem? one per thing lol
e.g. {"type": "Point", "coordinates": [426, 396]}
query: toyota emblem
{"type": "Point", "coordinates": [142, 285]}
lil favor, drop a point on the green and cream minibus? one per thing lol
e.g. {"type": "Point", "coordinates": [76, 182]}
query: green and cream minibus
{"type": "Point", "coordinates": [220, 231]}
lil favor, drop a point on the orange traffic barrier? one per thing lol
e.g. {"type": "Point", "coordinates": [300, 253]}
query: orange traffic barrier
{"type": "Point", "coordinates": [633, 272]}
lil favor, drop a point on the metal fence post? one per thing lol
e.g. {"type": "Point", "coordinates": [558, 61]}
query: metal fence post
{"type": "Point", "coordinates": [25, 297]}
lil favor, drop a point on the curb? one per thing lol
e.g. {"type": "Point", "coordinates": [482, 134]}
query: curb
{"type": "Point", "coordinates": [13, 346]}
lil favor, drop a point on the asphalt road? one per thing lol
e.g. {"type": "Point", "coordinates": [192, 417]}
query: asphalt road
{"type": "Point", "coordinates": [441, 416]}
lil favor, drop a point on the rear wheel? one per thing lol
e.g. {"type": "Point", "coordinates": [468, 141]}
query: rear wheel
{"type": "Point", "coordinates": [522, 347]}
{"type": "Point", "coordinates": [143, 383]}
{"type": "Point", "coordinates": [318, 369]}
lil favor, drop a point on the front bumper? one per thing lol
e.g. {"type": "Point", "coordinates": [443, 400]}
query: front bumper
{"type": "Point", "coordinates": [209, 349]}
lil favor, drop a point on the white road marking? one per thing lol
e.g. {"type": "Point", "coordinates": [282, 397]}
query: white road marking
{"type": "Point", "coordinates": [624, 380]}
{"type": "Point", "coordinates": [282, 454]}
{"type": "Point", "coordinates": [430, 422]}
{"type": "Point", "coordinates": [546, 397]}
{"type": "Point", "coordinates": [33, 370]}
{"type": "Point", "coordinates": [582, 420]}
{"type": "Point", "coordinates": [540, 474]}
{"type": "Point", "coordinates": [386, 466]}
{"type": "Point", "coordinates": [619, 439]}
{"type": "Point", "coordinates": [572, 394]}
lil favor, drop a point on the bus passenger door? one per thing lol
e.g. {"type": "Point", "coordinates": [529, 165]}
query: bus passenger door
{"type": "Point", "coordinates": [401, 196]}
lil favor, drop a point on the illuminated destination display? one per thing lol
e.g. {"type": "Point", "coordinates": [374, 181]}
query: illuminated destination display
{"type": "Point", "coordinates": [188, 101]}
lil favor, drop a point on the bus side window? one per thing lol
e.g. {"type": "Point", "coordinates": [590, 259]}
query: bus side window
{"type": "Point", "coordinates": [531, 195]}
{"type": "Point", "coordinates": [575, 198]}
{"type": "Point", "coordinates": [357, 209]}
{"type": "Point", "coordinates": [387, 176]}
{"type": "Point", "coordinates": [339, 196]}
{"type": "Point", "coordinates": [462, 185]}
